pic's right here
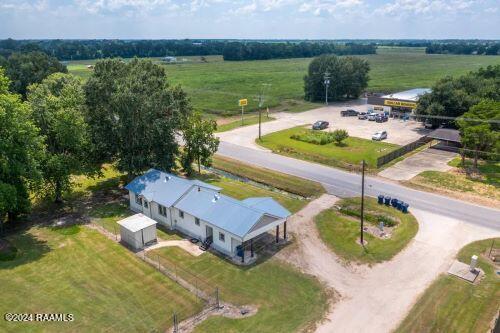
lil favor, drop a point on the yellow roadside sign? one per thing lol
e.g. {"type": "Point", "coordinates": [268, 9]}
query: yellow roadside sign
{"type": "Point", "coordinates": [243, 102]}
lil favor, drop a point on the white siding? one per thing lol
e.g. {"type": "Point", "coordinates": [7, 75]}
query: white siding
{"type": "Point", "coordinates": [155, 215]}
{"type": "Point", "coordinates": [134, 239]}
{"type": "Point", "coordinates": [133, 205]}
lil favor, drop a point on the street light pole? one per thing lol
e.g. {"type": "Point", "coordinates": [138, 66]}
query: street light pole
{"type": "Point", "coordinates": [261, 103]}
{"type": "Point", "coordinates": [362, 202]}
{"type": "Point", "coordinates": [327, 84]}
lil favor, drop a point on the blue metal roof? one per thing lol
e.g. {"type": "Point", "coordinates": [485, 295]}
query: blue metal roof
{"type": "Point", "coordinates": [268, 205]}
{"type": "Point", "coordinates": [164, 188]}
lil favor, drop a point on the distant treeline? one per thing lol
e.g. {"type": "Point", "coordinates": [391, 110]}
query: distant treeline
{"type": "Point", "coordinates": [480, 48]}
{"type": "Point", "coordinates": [262, 51]}
{"type": "Point", "coordinates": [97, 49]}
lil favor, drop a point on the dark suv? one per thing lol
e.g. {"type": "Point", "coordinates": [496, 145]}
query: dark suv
{"type": "Point", "coordinates": [320, 125]}
{"type": "Point", "coordinates": [349, 113]}
{"type": "Point", "coordinates": [381, 118]}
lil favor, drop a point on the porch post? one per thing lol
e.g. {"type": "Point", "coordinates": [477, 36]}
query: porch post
{"type": "Point", "coordinates": [277, 233]}
{"type": "Point", "coordinates": [284, 230]}
{"type": "Point", "coordinates": [251, 247]}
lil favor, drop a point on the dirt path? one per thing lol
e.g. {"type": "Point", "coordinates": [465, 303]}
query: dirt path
{"type": "Point", "coordinates": [377, 298]}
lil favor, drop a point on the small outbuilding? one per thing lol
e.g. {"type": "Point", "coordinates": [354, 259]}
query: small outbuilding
{"type": "Point", "coordinates": [137, 231]}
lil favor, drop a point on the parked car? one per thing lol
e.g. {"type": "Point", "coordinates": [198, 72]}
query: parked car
{"type": "Point", "coordinates": [349, 113]}
{"type": "Point", "coordinates": [320, 125]}
{"type": "Point", "coordinates": [372, 116]}
{"type": "Point", "coordinates": [381, 118]}
{"type": "Point", "coordinates": [379, 136]}
{"type": "Point", "coordinates": [429, 125]}
{"type": "Point", "coordinates": [362, 116]}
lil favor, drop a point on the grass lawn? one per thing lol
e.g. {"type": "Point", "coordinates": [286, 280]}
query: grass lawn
{"type": "Point", "coordinates": [287, 300]}
{"type": "Point", "coordinates": [348, 155]}
{"type": "Point", "coordinates": [247, 120]}
{"type": "Point", "coordinates": [215, 86]}
{"type": "Point", "coordinates": [341, 231]}
{"type": "Point", "coordinates": [453, 305]}
{"type": "Point", "coordinates": [288, 183]}
{"type": "Point", "coordinates": [77, 270]}
{"type": "Point", "coordinates": [486, 184]}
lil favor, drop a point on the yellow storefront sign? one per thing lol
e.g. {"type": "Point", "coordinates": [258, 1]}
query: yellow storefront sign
{"type": "Point", "coordinates": [400, 103]}
{"type": "Point", "coordinates": [243, 102]}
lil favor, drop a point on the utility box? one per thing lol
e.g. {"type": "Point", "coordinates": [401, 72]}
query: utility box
{"type": "Point", "coordinates": [473, 263]}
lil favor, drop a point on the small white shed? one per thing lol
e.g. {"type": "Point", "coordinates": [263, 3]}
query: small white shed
{"type": "Point", "coordinates": [137, 231]}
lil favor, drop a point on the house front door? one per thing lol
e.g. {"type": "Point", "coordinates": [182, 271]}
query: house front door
{"type": "Point", "coordinates": [209, 231]}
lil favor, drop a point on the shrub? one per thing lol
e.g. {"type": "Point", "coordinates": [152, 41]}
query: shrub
{"type": "Point", "coordinates": [317, 138]}
{"type": "Point", "coordinates": [339, 135]}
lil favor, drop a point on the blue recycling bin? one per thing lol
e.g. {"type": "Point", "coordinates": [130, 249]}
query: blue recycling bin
{"type": "Point", "coordinates": [405, 208]}
{"type": "Point", "coordinates": [381, 199]}
{"type": "Point", "coordinates": [400, 204]}
{"type": "Point", "coordinates": [394, 202]}
{"type": "Point", "coordinates": [387, 200]}
{"type": "Point", "coordinates": [239, 251]}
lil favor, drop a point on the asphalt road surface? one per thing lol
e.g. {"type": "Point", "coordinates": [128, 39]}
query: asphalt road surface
{"type": "Point", "coordinates": [345, 184]}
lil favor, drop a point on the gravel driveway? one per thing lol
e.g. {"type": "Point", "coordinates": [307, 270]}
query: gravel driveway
{"type": "Point", "coordinates": [377, 298]}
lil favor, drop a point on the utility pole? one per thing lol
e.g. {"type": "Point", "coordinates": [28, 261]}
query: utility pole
{"type": "Point", "coordinates": [327, 85]}
{"type": "Point", "coordinates": [362, 202]}
{"type": "Point", "coordinates": [261, 103]}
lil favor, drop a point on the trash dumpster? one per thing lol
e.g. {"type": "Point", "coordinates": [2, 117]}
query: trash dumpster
{"type": "Point", "coordinates": [394, 202]}
{"type": "Point", "coordinates": [387, 200]}
{"type": "Point", "coordinates": [381, 199]}
{"type": "Point", "coordinates": [405, 208]}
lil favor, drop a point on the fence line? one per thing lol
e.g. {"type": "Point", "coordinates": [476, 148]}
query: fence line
{"type": "Point", "coordinates": [402, 151]}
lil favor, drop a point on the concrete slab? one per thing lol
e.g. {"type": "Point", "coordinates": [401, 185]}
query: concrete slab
{"type": "Point", "coordinates": [184, 244]}
{"type": "Point", "coordinates": [427, 160]}
{"type": "Point", "coordinates": [463, 271]}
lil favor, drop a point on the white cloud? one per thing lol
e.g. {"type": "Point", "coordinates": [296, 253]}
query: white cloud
{"type": "Point", "coordinates": [319, 7]}
{"type": "Point", "coordinates": [95, 6]}
{"type": "Point", "coordinates": [425, 7]}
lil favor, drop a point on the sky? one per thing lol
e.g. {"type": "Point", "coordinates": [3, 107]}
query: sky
{"type": "Point", "coordinates": [250, 19]}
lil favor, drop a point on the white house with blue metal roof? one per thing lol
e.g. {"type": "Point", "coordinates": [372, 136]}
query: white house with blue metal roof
{"type": "Point", "coordinates": [199, 210]}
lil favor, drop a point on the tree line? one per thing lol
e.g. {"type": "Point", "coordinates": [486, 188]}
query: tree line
{"type": "Point", "coordinates": [126, 114]}
{"type": "Point", "coordinates": [473, 100]}
{"type": "Point", "coordinates": [479, 48]}
{"type": "Point", "coordinates": [237, 51]}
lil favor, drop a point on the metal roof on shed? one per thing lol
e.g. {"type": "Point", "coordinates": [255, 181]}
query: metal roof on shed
{"type": "Point", "coordinates": [164, 188]}
{"type": "Point", "coordinates": [446, 134]}
{"type": "Point", "coordinates": [136, 222]}
{"type": "Point", "coordinates": [409, 95]}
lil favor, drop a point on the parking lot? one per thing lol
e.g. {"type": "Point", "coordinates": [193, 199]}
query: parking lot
{"type": "Point", "coordinates": [399, 132]}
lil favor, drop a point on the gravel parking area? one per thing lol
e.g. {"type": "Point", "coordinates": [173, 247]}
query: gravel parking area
{"type": "Point", "coordinates": [399, 132]}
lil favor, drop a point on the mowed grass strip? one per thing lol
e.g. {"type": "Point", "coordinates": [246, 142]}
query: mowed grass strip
{"type": "Point", "coordinates": [348, 155]}
{"type": "Point", "coordinates": [288, 183]}
{"type": "Point", "coordinates": [287, 300]}
{"type": "Point", "coordinates": [454, 305]}
{"type": "Point", "coordinates": [341, 232]}
{"type": "Point", "coordinates": [247, 121]}
{"type": "Point", "coordinates": [100, 282]}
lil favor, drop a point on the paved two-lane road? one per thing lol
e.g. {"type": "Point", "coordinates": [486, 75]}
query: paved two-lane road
{"type": "Point", "coordinates": [342, 183]}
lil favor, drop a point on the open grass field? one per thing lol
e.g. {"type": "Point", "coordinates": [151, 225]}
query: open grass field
{"type": "Point", "coordinates": [77, 270]}
{"type": "Point", "coordinates": [348, 155]}
{"type": "Point", "coordinates": [215, 86]}
{"type": "Point", "coordinates": [340, 231]}
{"type": "Point", "coordinates": [287, 300]}
{"type": "Point", "coordinates": [247, 120]}
{"type": "Point", "coordinates": [484, 185]}
{"type": "Point", "coordinates": [453, 305]}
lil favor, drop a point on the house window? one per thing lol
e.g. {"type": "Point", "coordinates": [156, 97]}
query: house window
{"type": "Point", "coordinates": [145, 204]}
{"type": "Point", "coordinates": [181, 214]}
{"type": "Point", "coordinates": [138, 199]}
{"type": "Point", "coordinates": [162, 210]}
{"type": "Point", "coordinates": [196, 221]}
{"type": "Point", "coordinates": [222, 237]}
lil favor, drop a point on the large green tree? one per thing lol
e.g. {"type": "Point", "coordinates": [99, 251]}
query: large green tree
{"type": "Point", "coordinates": [20, 150]}
{"type": "Point", "coordinates": [200, 142]}
{"type": "Point", "coordinates": [348, 78]}
{"type": "Point", "coordinates": [479, 130]}
{"type": "Point", "coordinates": [134, 115]}
{"type": "Point", "coordinates": [58, 104]}
{"type": "Point", "coordinates": [24, 69]}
